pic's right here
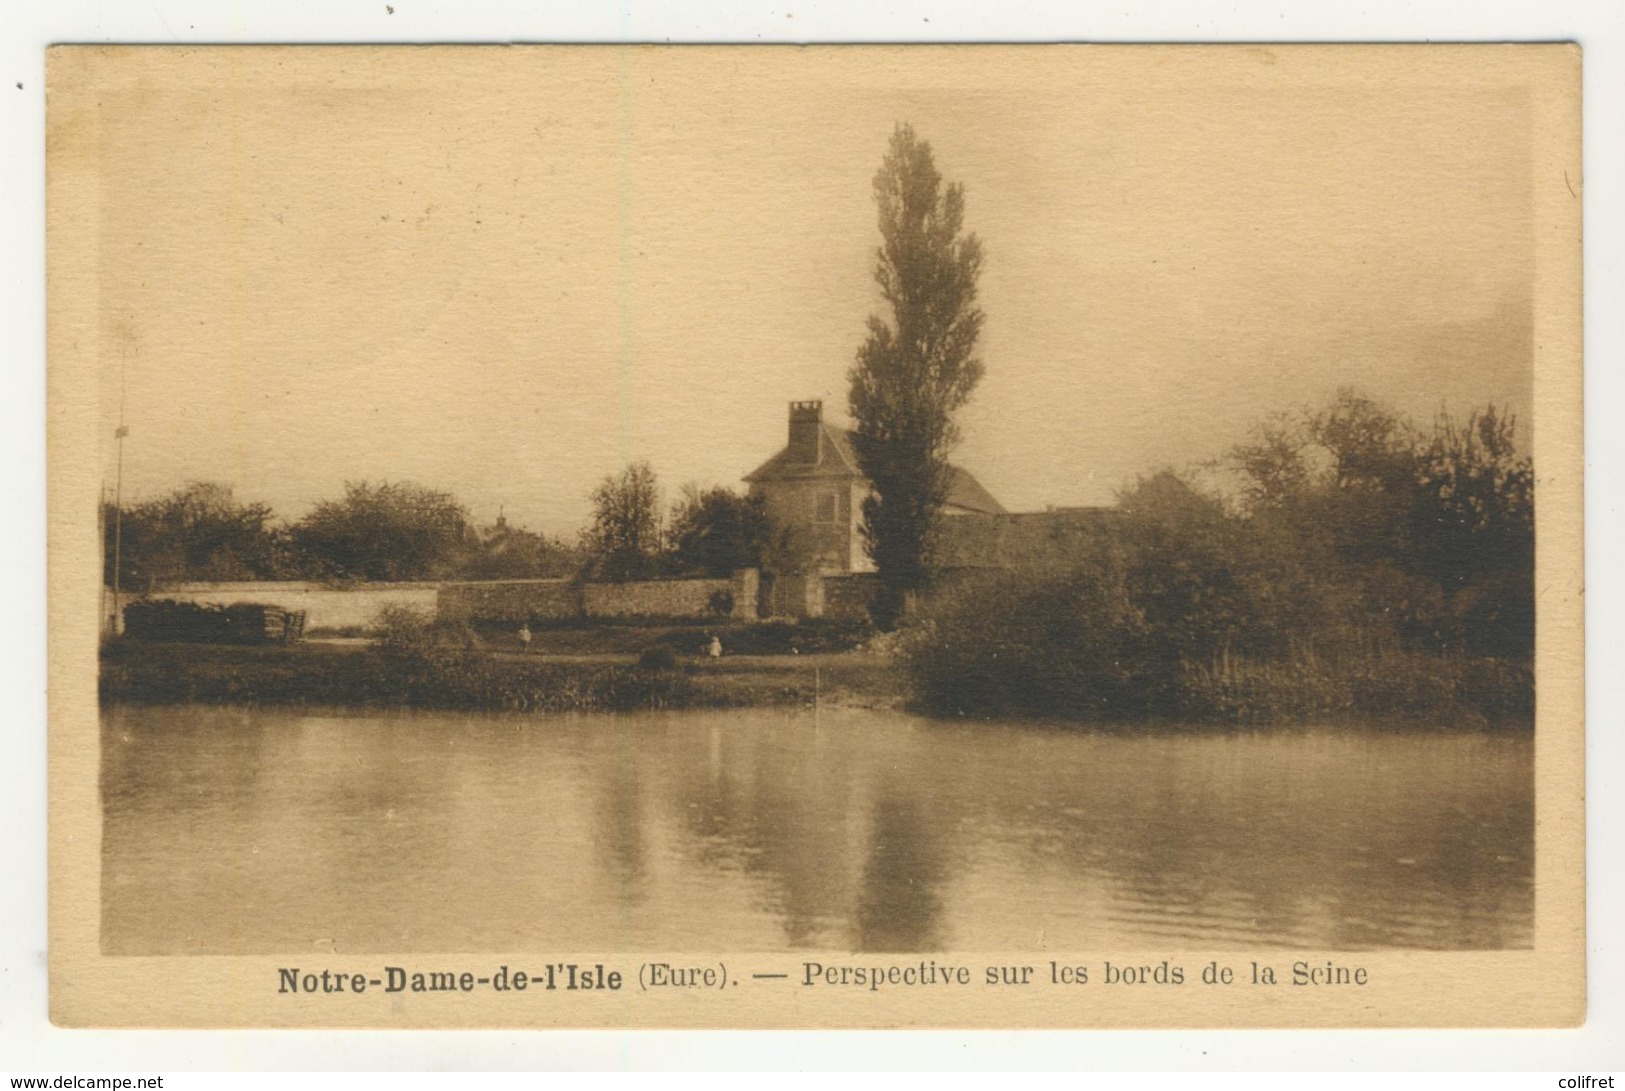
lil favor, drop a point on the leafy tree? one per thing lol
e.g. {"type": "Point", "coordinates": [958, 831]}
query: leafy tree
{"type": "Point", "coordinates": [392, 531]}
{"type": "Point", "coordinates": [918, 365]}
{"type": "Point", "coordinates": [506, 552]}
{"type": "Point", "coordinates": [198, 532]}
{"type": "Point", "coordinates": [1369, 446]}
{"type": "Point", "coordinates": [1431, 532]}
{"type": "Point", "coordinates": [1211, 582]}
{"type": "Point", "coordinates": [625, 533]}
{"type": "Point", "coordinates": [1475, 529]}
{"type": "Point", "coordinates": [717, 531]}
{"type": "Point", "coordinates": [1071, 645]}
{"type": "Point", "coordinates": [1185, 569]}
{"type": "Point", "coordinates": [1368, 486]}
{"type": "Point", "coordinates": [1273, 464]}
{"type": "Point", "coordinates": [1371, 567]}
{"type": "Point", "coordinates": [1479, 510]}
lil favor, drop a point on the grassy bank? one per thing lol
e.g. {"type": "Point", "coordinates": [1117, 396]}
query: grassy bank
{"type": "Point", "coordinates": [634, 636]}
{"type": "Point", "coordinates": [1451, 693]}
{"type": "Point", "coordinates": [441, 677]}
{"type": "Point", "coordinates": [630, 636]}
{"type": "Point", "coordinates": [988, 664]}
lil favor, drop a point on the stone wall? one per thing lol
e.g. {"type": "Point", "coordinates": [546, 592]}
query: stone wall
{"type": "Point", "coordinates": [522, 600]}
{"type": "Point", "coordinates": [324, 607]}
{"type": "Point", "coordinates": [493, 600]}
{"type": "Point", "coordinates": [734, 597]}
{"type": "Point", "coordinates": [846, 596]}
{"type": "Point", "coordinates": [793, 594]}
{"type": "Point", "coordinates": [510, 600]}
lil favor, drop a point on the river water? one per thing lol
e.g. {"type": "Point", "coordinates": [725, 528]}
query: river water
{"type": "Point", "coordinates": [231, 830]}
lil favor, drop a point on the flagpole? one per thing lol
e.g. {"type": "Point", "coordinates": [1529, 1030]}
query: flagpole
{"type": "Point", "coordinates": [118, 529]}
{"type": "Point", "coordinates": [118, 497]}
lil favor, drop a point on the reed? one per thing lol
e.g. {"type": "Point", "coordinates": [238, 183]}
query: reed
{"type": "Point", "coordinates": [1408, 686]}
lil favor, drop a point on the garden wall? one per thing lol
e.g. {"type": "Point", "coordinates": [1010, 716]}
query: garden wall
{"type": "Point", "coordinates": [510, 600]}
{"type": "Point", "coordinates": [734, 597]}
{"type": "Point", "coordinates": [324, 607]}
{"type": "Point", "coordinates": [494, 600]}
{"type": "Point", "coordinates": [522, 600]}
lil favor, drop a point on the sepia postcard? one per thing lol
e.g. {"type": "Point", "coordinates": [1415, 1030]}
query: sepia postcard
{"type": "Point", "coordinates": [839, 536]}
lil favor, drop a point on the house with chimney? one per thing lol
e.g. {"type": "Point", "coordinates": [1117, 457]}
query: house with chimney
{"type": "Point", "coordinates": [813, 492]}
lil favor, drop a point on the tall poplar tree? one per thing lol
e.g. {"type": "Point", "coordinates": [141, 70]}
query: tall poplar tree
{"type": "Point", "coordinates": [918, 365]}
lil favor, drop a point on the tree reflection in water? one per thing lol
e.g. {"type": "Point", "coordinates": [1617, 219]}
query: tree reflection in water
{"type": "Point", "coordinates": [901, 901]}
{"type": "Point", "coordinates": [257, 831]}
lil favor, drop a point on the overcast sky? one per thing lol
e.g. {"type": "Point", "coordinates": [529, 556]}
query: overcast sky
{"type": "Point", "coordinates": [505, 273]}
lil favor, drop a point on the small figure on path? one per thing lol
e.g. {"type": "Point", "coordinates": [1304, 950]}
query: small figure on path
{"type": "Point", "coordinates": [715, 650]}
{"type": "Point", "coordinates": [524, 637]}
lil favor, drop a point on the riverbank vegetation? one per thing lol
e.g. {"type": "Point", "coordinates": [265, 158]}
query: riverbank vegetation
{"type": "Point", "coordinates": [414, 661]}
{"type": "Point", "coordinates": [443, 678]}
{"type": "Point", "coordinates": [1340, 563]}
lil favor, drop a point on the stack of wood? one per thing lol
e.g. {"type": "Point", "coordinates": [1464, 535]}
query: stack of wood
{"type": "Point", "coordinates": [195, 623]}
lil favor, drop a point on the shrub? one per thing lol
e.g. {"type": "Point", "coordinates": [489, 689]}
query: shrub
{"type": "Point", "coordinates": [403, 629]}
{"type": "Point", "coordinates": [808, 636]}
{"type": "Point", "coordinates": [1077, 647]}
{"type": "Point", "coordinates": [1072, 646]}
{"type": "Point", "coordinates": [657, 658]}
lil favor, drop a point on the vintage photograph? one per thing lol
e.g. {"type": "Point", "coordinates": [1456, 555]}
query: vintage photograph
{"type": "Point", "coordinates": [813, 500]}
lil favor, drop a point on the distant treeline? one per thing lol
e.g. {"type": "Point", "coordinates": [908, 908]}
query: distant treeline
{"type": "Point", "coordinates": [1342, 561]}
{"type": "Point", "coordinates": [404, 531]}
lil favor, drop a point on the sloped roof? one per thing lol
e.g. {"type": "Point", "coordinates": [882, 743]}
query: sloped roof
{"type": "Point", "coordinates": [837, 459]}
{"type": "Point", "coordinates": [964, 491]}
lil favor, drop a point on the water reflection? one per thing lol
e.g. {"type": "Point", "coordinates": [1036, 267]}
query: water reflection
{"type": "Point", "coordinates": [278, 831]}
{"type": "Point", "coordinates": [901, 901]}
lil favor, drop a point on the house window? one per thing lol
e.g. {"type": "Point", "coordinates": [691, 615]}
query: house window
{"type": "Point", "coordinates": [826, 508]}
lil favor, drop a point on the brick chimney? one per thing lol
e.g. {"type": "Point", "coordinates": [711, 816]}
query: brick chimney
{"type": "Point", "coordinates": [806, 431]}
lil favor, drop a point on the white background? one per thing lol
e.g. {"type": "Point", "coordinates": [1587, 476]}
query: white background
{"type": "Point", "coordinates": [29, 1045]}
